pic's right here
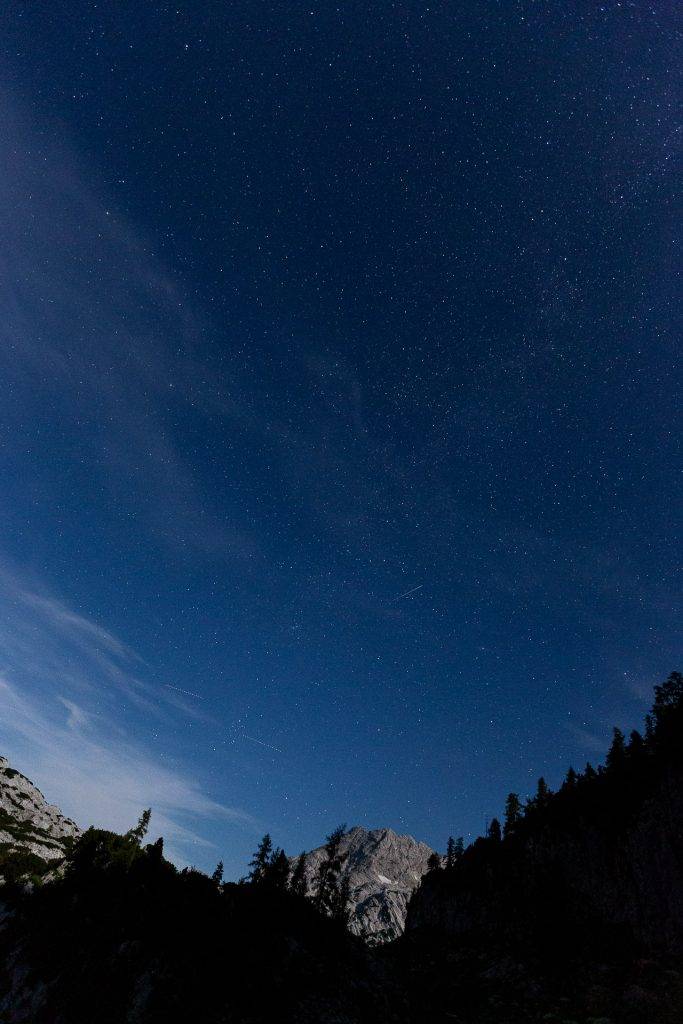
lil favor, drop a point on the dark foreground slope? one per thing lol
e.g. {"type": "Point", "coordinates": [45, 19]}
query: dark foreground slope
{"type": "Point", "coordinates": [577, 910]}
{"type": "Point", "coordinates": [125, 937]}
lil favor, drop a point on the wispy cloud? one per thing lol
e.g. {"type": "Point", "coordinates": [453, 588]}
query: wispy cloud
{"type": "Point", "coordinates": [587, 739]}
{"type": "Point", "coordinates": [76, 626]}
{"type": "Point", "coordinates": [52, 645]}
{"type": "Point", "coordinates": [63, 679]}
{"type": "Point", "coordinates": [95, 327]}
{"type": "Point", "coordinates": [77, 717]}
{"type": "Point", "coordinates": [99, 782]}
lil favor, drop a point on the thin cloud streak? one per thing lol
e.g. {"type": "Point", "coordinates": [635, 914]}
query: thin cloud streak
{"type": "Point", "coordinates": [63, 682]}
{"type": "Point", "coordinates": [588, 740]}
{"type": "Point", "coordinates": [96, 782]}
{"type": "Point", "coordinates": [76, 625]}
{"type": "Point", "coordinates": [124, 356]}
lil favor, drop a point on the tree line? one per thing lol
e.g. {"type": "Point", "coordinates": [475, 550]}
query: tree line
{"type": "Point", "coordinates": [624, 771]}
{"type": "Point", "coordinates": [328, 890]}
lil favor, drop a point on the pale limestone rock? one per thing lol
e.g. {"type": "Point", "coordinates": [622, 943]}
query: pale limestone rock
{"type": "Point", "coordinates": [383, 869]}
{"type": "Point", "coordinates": [27, 820]}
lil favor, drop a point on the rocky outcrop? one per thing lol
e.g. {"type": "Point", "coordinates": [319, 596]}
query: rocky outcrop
{"type": "Point", "coordinates": [28, 823]}
{"type": "Point", "coordinates": [383, 870]}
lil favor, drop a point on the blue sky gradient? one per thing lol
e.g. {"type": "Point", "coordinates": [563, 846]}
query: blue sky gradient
{"type": "Point", "coordinates": [338, 408]}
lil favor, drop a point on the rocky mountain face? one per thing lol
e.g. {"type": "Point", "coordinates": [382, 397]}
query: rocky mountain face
{"type": "Point", "coordinates": [28, 823]}
{"type": "Point", "coordinates": [383, 870]}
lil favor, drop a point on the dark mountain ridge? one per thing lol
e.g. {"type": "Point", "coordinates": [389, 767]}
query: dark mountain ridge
{"type": "Point", "coordinates": [576, 893]}
{"type": "Point", "coordinates": [601, 859]}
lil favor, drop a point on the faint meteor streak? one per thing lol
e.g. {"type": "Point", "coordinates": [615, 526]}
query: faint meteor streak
{"type": "Point", "coordinates": [188, 692]}
{"type": "Point", "coordinates": [418, 587]}
{"type": "Point", "coordinates": [254, 740]}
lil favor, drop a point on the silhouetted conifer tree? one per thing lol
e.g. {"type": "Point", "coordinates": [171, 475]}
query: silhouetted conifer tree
{"type": "Point", "coordinates": [341, 905]}
{"type": "Point", "coordinates": [590, 772]}
{"type": "Point", "coordinates": [493, 831]}
{"type": "Point", "coordinates": [155, 851]}
{"type": "Point", "coordinates": [277, 871]}
{"type": "Point", "coordinates": [513, 813]}
{"type": "Point", "coordinates": [260, 861]}
{"type": "Point", "coordinates": [297, 883]}
{"type": "Point", "coordinates": [669, 695]}
{"type": "Point", "coordinates": [668, 711]}
{"type": "Point", "coordinates": [450, 853]}
{"type": "Point", "coordinates": [138, 833]}
{"type": "Point", "coordinates": [636, 744]}
{"type": "Point", "coordinates": [434, 862]}
{"type": "Point", "coordinates": [617, 751]}
{"type": "Point", "coordinates": [649, 730]}
{"type": "Point", "coordinates": [570, 780]}
{"type": "Point", "coordinates": [459, 848]}
{"type": "Point", "coordinates": [328, 872]}
{"type": "Point", "coordinates": [217, 876]}
{"type": "Point", "coordinates": [542, 793]}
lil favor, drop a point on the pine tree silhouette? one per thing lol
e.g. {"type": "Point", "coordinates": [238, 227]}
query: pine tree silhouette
{"type": "Point", "coordinates": [297, 882]}
{"type": "Point", "coordinates": [668, 710]}
{"type": "Point", "coordinates": [138, 833]}
{"type": "Point", "coordinates": [636, 744]}
{"type": "Point", "coordinates": [342, 902]}
{"type": "Point", "coordinates": [668, 695]}
{"type": "Point", "coordinates": [513, 813]}
{"type": "Point", "coordinates": [328, 872]}
{"type": "Point", "coordinates": [493, 832]}
{"type": "Point", "coordinates": [543, 795]}
{"type": "Point", "coordinates": [434, 862]}
{"type": "Point", "coordinates": [277, 871]}
{"type": "Point", "coordinates": [617, 751]}
{"type": "Point", "coordinates": [260, 861]}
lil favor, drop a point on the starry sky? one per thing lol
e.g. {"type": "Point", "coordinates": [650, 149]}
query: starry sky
{"type": "Point", "coordinates": [338, 406]}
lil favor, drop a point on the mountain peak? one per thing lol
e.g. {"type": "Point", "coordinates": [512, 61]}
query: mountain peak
{"type": "Point", "coordinates": [383, 869]}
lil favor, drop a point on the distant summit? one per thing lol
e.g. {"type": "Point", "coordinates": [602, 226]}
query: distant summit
{"type": "Point", "coordinates": [29, 825]}
{"type": "Point", "coordinates": [383, 869]}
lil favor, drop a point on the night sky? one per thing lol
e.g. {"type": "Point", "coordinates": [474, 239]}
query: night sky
{"type": "Point", "coordinates": [338, 406]}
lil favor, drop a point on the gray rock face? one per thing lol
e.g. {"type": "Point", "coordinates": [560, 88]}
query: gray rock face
{"type": "Point", "coordinates": [27, 820]}
{"type": "Point", "coordinates": [383, 869]}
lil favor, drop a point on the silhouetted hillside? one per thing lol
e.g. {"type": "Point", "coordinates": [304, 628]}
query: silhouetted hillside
{"type": "Point", "coordinates": [124, 936]}
{"type": "Point", "coordinates": [579, 896]}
